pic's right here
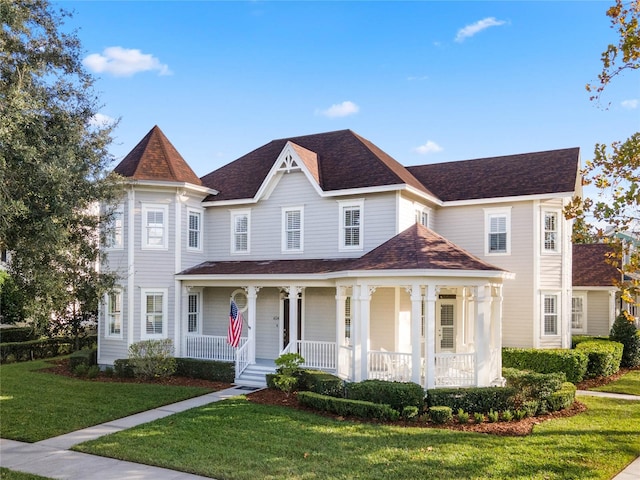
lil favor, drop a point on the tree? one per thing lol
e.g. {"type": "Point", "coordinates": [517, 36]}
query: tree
{"type": "Point", "coordinates": [615, 168]}
{"type": "Point", "coordinates": [53, 162]}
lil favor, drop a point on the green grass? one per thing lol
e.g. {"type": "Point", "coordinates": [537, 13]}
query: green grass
{"type": "Point", "coordinates": [7, 474]}
{"type": "Point", "coordinates": [628, 383]}
{"type": "Point", "coordinates": [236, 439]}
{"type": "Point", "coordinates": [37, 405]}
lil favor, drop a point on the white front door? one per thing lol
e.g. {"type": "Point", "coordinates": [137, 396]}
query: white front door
{"type": "Point", "coordinates": [446, 339]}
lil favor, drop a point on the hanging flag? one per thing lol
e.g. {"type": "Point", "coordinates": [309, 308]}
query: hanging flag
{"type": "Point", "coordinates": [235, 326]}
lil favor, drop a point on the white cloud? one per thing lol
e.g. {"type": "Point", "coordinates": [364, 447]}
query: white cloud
{"type": "Point", "coordinates": [124, 62]}
{"type": "Point", "coordinates": [101, 120]}
{"type": "Point", "coordinates": [427, 148]}
{"type": "Point", "coordinates": [343, 109]}
{"type": "Point", "coordinates": [471, 30]}
{"type": "Point", "coordinates": [631, 104]}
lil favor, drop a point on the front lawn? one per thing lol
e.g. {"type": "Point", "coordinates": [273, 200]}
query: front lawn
{"type": "Point", "coordinates": [37, 405]}
{"type": "Point", "coordinates": [629, 383]}
{"type": "Point", "coordinates": [6, 474]}
{"type": "Point", "coordinates": [236, 439]}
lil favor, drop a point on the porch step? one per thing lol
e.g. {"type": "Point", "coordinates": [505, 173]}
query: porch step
{"type": "Point", "coordinates": [254, 375]}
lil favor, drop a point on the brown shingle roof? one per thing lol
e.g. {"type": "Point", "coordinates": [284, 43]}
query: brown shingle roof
{"type": "Point", "coordinates": [416, 248]}
{"type": "Point", "coordinates": [155, 158]}
{"type": "Point", "coordinates": [590, 266]}
{"type": "Point", "coordinates": [344, 161]}
{"type": "Point", "coordinates": [553, 171]}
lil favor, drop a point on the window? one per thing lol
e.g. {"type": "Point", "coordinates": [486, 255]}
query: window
{"type": "Point", "coordinates": [550, 232]}
{"type": "Point", "coordinates": [193, 313]}
{"type": "Point", "coordinates": [578, 313]}
{"type": "Point", "coordinates": [422, 217]}
{"type": "Point", "coordinates": [550, 312]}
{"type": "Point", "coordinates": [115, 238]}
{"type": "Point", "coordinates": [497, 231]}
{"type": "Point", "coordinates": [292, 231]}
{"type": "Point", "coordinates": [155, 227]}
{"type": "Point", "coordinates": [194, 242]}
{"type": "Point", "coordinates": [240, 232]}
{"type": "Point", "coordinates": [347, 320]}
{"type": "Point", "coordinates": [154, 308]}
{"type": "Point", "coordinates": [351, 225]}
{"type": "Point", "coordinates": [114, 314]}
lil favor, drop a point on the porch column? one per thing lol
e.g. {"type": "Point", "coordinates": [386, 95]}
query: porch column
{"type": "Point", "coordinates": [361, 370]}
{"type": "Point", "coordinates": [252, 295]}
{"type": "Point", "coordinates": [483, 335]}
{"type": "Point", "coordinates": [430, 336]}
{"type": "Point", "coordinates": [181, 341]}
{"type": "Point", "coordinates": [416, 316]}
{"type": "Point", "coordinates": [496, 329]}
{"type": "Point", "coordinates": [293, 316]}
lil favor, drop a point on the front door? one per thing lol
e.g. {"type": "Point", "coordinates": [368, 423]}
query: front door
{"type": "Point", "coordinates": [286, 322]}
{"type": "Point", "coordinates": [445, 343]}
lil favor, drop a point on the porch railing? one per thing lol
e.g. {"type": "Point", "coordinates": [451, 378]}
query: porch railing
{"type": "Point", "coordinates": [395, 366]}
{"type": "Point", "coordinates": [320, 355]}
{"type": "Point", "coordinates": [242, 358]}
{"type": "Point", "coordinates": [211, 347]}
{"type": "Point", "coordinates": [455, 370]}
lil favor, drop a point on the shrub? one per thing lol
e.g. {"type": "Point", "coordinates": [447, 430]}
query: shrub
{"type": "Point", "coordinates": [463, 417]}
{"type": "Point", "coordinates": [563, 398]}
{"type": "Point", "coordinates": [108, 372]}
{"type": "Point", "coordinates": [531, 407]}
{"type": "Point", "coordinates": [532, 385]}
{"type": "Point", "coordinates": [288, 371]}
{"type": "Point", "coordinates": [493, 416]}
{"type": "Point", "coordinates": [80, 370]}
{"type": "Point", "coordinates": [42, 348]}
{"type": "Point", "coordinates": [604, 357]}
{"type": "Point", "coordinates": [346, 407]}
{"type": "Point", "coordinates": [86, 357]}
{"type": "Point", "coordinates": [215, 371]}
{"type": "Point", "coordinates": [123, 368]}
{"type": "Point", "coordinates": [472, 399]}
{"type": "Point", "coordinates": [410, 412]}
{"type": "Point", "coordinates": [507, 415]}
{"type": "Point", "coordinates": [520, 414]}
{"type": "Point", "coordinates": [478, 417]}
{"type": "Point", "coordinates": [627, 334]}
{"type": "Point", "coordinates": [440, 414]}
{"type": "Point", "coordinates": [578, 339]}
{"type": "Point", "coordinates": [321, 382]}
{"type": "Point", "coordinates": [16, 334]}
{"type": "Point", "coordinates": [572, 362]}
{"type": "Point", "coordinates": [93, 371]}
{"type": "Point", "coordinates": [395, 394]}
{"type": "Point", "coordinates": [152, 358]}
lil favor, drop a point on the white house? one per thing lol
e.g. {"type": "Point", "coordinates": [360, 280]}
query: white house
{"type": "Point", "coordinates": [333, 249]}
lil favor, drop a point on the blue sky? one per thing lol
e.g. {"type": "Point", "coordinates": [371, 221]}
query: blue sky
{"type": "Point", "coordinates": [425, 81]}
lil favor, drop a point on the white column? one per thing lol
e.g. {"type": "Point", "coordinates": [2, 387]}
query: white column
{"type": "Point", "coordinates": [430, 335]}
{"type": "Point", "coordinates": [177, 294]}
{"type": "Point", "coordinates": [416, 316]}
{"type": "Point", "coordinates": [252, 295]}
{"type": "Point", "coordinates": [131, 270]}
{"type": "Point", "coordinates": [362, 353]}
{"type": "Point", "coordinates": [483, 335]}
{"type": "Point", "coordinates": [612, 309]}
{"type": "Point", "coordinates": [496, 329]}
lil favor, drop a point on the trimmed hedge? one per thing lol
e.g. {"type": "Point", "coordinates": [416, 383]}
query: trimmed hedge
{"type": "Point", "coordinates": [347, 407]}
{"type": "Point", "coordinates": [44, 348]}
{"type": "Point", "coordinates": [321, 382]}
{"type": "Point", "coordinates": [578, 339]}
{"type": "Point", "coordinates": [533, 385]}
{"type": "Point", "coordinates": [16, 334]}
{"type": "Point", "coordinates": [440, 415]}
{"type": "Point", "coordinates": [563, 398]}
{"type": "Point", "coordinates": [572, 362]}
{"type": "Point", "coordinates": [604, 357]}
{"type": "Point", "coordinates": [215, 371]}
{"type": "Point", "coordinates": [87, 357]}
{"type": "Point", "coordinates": [472, 399]}
{"type": "Point", "coordinates": [395, 394]}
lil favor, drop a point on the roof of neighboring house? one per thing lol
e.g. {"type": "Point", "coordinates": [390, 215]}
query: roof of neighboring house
{"type": "Point", "coordinates": [416, 248]}
{"type": "Point", "coordinates": [590, 266]}
{"type": "Point", "coordinates": [552, 171]}
{"type": "Point", "coordinates": [343, 160]}
{"type": "Point", "coordinates": [155, 158]}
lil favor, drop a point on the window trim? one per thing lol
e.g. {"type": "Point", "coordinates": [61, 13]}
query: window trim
{"type": "Point", "coordinates": [198, 294]}
{"type": "Point", "coordinates": [557, 313]}
{"type": "Point", "coordinates": [285, 243]}
{"type": "Point", "coordinates": [344, 206]}
{"type": "Point", "coordinates": [489, 213]}
{"type": "Point", "coordinates": [556, 250]}
{"type": "Point", "coordinates": [108, 314]}
{"type": "Point", "coordinates": [112, 227]}
{"type": "Point", "coordinates": [146, 208]}
{"type": "Point", "coordinates": [420, 214]}
{"type": "Point", "coordinates": [232, 246]}
{"type": "Point", "coordinates": [200, 216]}
{"type": "Point", "coordinates": [144, 293]}
{"type": "Point", "coordinates": [583, 296]}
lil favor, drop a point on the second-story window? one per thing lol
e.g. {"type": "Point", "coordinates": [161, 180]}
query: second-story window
{"type": "Point", "coordinates": [351, 225]}
{"type": "Point", "coordinates": [550, 232]}
{"type": "Point", "coordinates": [422, 217]}
{"type": "Point", "coordinates": [497, 231]}
{"type": "Point", "coordinates": [292, 229]}
{"type": "Point", "coordinates": [115, 229]}
{"type": "Point", "coordinates": [195, 230]}
{"type": "Point", "coordinates": [240, 226]}
{"type": "Point", "coordinates": [155, 219]}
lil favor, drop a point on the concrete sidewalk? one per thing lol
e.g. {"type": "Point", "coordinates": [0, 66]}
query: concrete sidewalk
{"type": "Point", "coordinates": [52, 457]}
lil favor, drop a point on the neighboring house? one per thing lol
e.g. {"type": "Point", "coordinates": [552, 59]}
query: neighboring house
{"type": "Point", "coordinates": [331, 248]}
{"type": "Point", "coordinates": [594, 303]}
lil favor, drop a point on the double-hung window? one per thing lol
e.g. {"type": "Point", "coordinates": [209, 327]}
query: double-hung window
{"type": "Point", "coordinates": [292, 229]}
{"type": "Point", "coordinates": [578, 313]}
{"type": "Point", "coordinates": [193, 313]}
{"type": "Point", "coordinates": [497, 231]}
{"type": "Point", "coordinates": [154, 313]}
{"type": "Point", "coordinates": [551, 237]}
{"type": "Point", "coordinates": [422, 217]}
{"type": "Point", "coordinates": [115, 229]}
{"type": "Point", "coordinates": [194, 241]}
{"type": "Point", "coordinates": [351, 225]}
{"type": "Point", "coordinates": [240, 231]}
{"type": "Point", "coordinates": [114, 314]}
{"type": "Point", "coordinates": [155, 227]}
{"type": "Point", "coordinates": [550, 314]}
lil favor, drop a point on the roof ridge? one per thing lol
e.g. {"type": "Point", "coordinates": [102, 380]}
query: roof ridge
{"type": "Point", "coordinates": [166, 153]}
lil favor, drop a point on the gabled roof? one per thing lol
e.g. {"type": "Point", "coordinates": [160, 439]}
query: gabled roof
{"type": "Point", "coordinates": [416, 248]}
{"type": "Point", "coordinates": [155, 158]}
{"type": "Point", "coordinates": [343, 160]}
{"type": "Point", "coordinates": [553, 171]}
{"type": "Point", "coordinates": [591, 268]}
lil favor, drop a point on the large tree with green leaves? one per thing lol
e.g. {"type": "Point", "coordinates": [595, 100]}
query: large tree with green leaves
{"type": "Point", "coordinates": [53, 162]}
{"type": "Point", "coordinates": [615, 168]}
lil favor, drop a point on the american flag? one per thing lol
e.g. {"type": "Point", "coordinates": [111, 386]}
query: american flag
{"type": "Point", "coordinates": [235, 326]}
